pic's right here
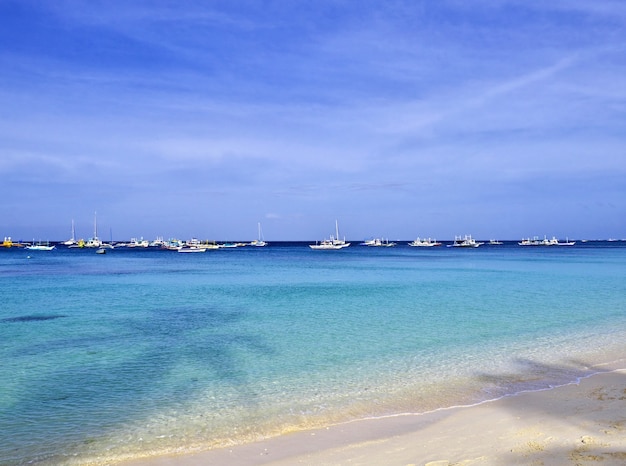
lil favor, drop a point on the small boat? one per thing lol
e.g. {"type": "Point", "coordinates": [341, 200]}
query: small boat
{"type": "Point", "coordinates": [567, 242]}
{"type": "Point", "coordinates": [40, 247]}
{"type": "Point", "coordinates": [425, 243]}
{"type": "Point", "coordinates": [188, 249]}
{"type": "Point", "coordinates": [228, 245]}
{"type": "Point", "coordinates": [545, 242]}
{"type": "Point", "coordinates": [377, 242]}
{"type": "Point", "coordinates": [333, 243]}
{"type": "Point", "coordinates": [94, 242]}
{"type": "Point", "coordinates": [259, 242]}
{"type": "Point", "coordinates": [72, 240]}
{"type": "Point", "coordinates": [138, 243]}
{"type": "Point", "coordinates": [532, 242]}
{"type": "Point", "coordinates": [495, 242]}
{"type": "Point", "coordinates": [466, 242]}
{"type": "Point", "coordinates": [101, 251]}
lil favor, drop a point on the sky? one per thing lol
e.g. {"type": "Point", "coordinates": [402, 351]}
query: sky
{"type": "Point", "coordinates": [500, 119]}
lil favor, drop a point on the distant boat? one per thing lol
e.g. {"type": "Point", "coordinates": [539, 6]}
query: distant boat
{"type": "Point", "coordinates": [545, 242]}
{"type": "Point", "coordinates": [425, 243]}
{"type": "Point", "coordinates": [187, 249]}
{"type": "Point", "coordinates": [40, 247]}
{"type": "Point", "coordinates": [259, 242]}
{"type": "Point", "coordinates": [72, 240]}
{"type": "Point", "coordinates": [228, 245]}
{"type": "Point", "coordinates": [495, 242]}
{"type": "Point", "coordinates": [333, 243]}
{"type": "Point", "coordinates": [138, 243]}
{"type": "Point", "coordinates": [377, 242]}
{"type": "Point", "coordinates": [466, 242]}
{"type": "Point", "coordinates": [94, 242]}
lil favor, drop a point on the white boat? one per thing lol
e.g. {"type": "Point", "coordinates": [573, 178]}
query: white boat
{"type": "Point", "coordinates": [465, 242]}
{"type": "Point", "coordinates": [259, 242]}
{"type": "Point", "coordinates": [192, 249]}
{"type": "Point", "coordinates": [545, 242]}
{"type": "Point", "coordinates": [158, 242]}
{"type": "Point", "coordinates": [94, 242]}
{"type": "Point", "coordinates": [333, 243]}
{"type": "Point", "coordinates": [173, 244]}
{"type": "Point", "coordinates": [425, 243]}
{"type": "Point", "coordinates": [40, 247]}
{"type": "Point", "coordinates": [531, 242]}
{"type": "Point", "coordinates": [555, 242]}
{"type": "Point", "coordinates": [72, 240]}
{"type": "Point", "coordinates": [377, 242]}
{"type": "Point", "coordinates": [138, 243]}
{"type": "Point", "coordinates": [495, 242]}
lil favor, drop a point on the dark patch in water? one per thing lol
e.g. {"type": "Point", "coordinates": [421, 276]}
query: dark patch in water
{"type": "Point", "coordinates": [33, 318]}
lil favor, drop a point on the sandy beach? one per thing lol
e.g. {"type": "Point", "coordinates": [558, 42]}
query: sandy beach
{"type": "Point", "coordinates": [577, 424]}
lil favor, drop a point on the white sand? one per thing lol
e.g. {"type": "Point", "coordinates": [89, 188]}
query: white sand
{"type": "Point", "coordinates": [578, 424]}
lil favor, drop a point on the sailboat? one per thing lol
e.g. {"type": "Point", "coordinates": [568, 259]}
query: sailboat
{"type": "Point", "coordinates": [259, 242]}
{"type": "Point", "coordinates": [72, 240]}
{"type": "Point", "coordinates": [333, 243]}
{"type": "Point", "coordinates": [94, 242]}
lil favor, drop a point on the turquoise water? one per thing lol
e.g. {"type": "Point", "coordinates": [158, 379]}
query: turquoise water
{"type": "Point", "coordinates": [145, 351]}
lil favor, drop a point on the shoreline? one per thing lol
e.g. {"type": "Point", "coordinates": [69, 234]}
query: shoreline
{"type": "Point", "coordinates": [583, 420]}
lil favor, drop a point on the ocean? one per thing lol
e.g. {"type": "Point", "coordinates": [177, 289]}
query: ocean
{"type": "Point", "coordinates": [144, 352]}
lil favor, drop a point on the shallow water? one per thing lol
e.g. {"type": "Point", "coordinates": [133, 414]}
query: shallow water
{"type": "Point", "coordinates": [148, 351]}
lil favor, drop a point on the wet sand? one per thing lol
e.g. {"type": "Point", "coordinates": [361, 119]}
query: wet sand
{"type": "Point", "coordinates": [577, 424]}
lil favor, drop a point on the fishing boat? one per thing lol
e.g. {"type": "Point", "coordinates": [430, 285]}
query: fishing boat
{"type": "Point", "coordinates": [378, 242]}
{"type": "Point", "coordinates": [41, 247]}
{"type": "Point", "coordinates": [424, 243]}
{"type": "Point", "coordinates": [545, 242]}
{"type": "Point", "coordinates": [187, 249]}
{"type": "Point", "coordinates": [333, 243]}
{"type": "Point", "coordinates": [465, 242]}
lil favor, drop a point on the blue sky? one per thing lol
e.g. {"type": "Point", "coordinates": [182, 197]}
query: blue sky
{"type": "Point", "coordinates": [499, 119]}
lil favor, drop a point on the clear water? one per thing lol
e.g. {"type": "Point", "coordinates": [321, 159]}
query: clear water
{"type": "Point", "coordinates": [140, 352]}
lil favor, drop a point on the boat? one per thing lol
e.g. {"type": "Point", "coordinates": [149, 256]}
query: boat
{"type": "Point", "coordinates": [259, 242]}
{"type": "Point", "coordinates": [377, 242]}
{"type": "Point", "coordinates": [567, 242]}
{"type": "Point", "coordinates": [8, 242]}
{"type": "Point", "coordinates": [94, 242]}
{"type": "Point", "coordinates": [333, 243]}
{"type": "Point", "coordinates": [465, 242]}
{"type": "Point", "coordinates": [41, 247]}
{"type": "Point", "coordinates": [545, 242]}
{"type": "Point", "coordinates": [72, 240]}
{"type": "Point", "coordinates": [186, 249]}
{"type": "Point", "coordinates": [425, 243]}
{"type": "Point", "coordinates": [138, 243]}
{"type": "Point", "coordinates": [101, 251]}
{"type": "Point", "coordinates": [495, 242]}
{"type": "Point", "coordinates": [79, 244]}
{"type": "Point", "coordinates": [531, 242]}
